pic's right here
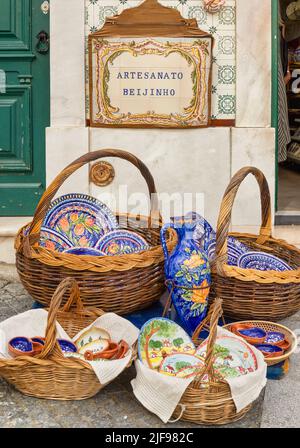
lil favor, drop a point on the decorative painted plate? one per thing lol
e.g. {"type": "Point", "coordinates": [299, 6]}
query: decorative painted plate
{"type": "Point", "coordinates": [119, 242]}
{"type": "Point", "coordinates": [160, 337]}
{"type": "Point", "coordinates": [274, 337]}
{"type": "Point", "coordinates": [235, 250]}
{"type": "Point", "coordinates": [85, 251]}
{"type": "Point", "coordinates": [50, 239]}
{"type": "Point", "coordinates": [93, 334]}
{"type": "Point", "coordinates": [80, 218]}
{"type": "Point", "coordinates": [181, 365]}
{"type": "Point", "coordinates": [262, 262]}
{"type": "Point", "coordinates": [233, 357]}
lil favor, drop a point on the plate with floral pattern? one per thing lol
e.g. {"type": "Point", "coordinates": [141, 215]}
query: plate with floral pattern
{"type": "Point", "coordinates": [181, 365]}
{"type": "Point", "coordinates": [119, 242]}
{"type": "Point", "coordinates": [235, 250]}
{"type": "Point", "coordinates": [85, 251]}
{"type": "Point", "coordinates": [160, 337]}
{"type": "Point", "coordinates": [232, 357]}
{"type": "Point", "coordinates": [80, 218]}
{"type": "Point", "coordinates": [262, 261]}
{"type": "Point", "coordinates": [50, 239]}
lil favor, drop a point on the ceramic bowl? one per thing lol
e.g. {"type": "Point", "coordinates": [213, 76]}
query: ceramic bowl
{"type": "Point", "coordinates": [120, 242]}
{"type": "Point", "coordinates": [253, 335]}
{"type": "Point", "coordinates": [38, 344]}
{"type": "Point", "coordinates": [67, 346]}
{"type": "Point", "coordinates": [270, 351]}
{"type": "Point", "coordinates": [95, 347]}
{"type": "Point", "coordinates": [123, 349]}
{"type": "Point", "coordinates": [275, 338]}
{"type": "Point", "coordinates": [20, 346]}
{"type": "Point", "coordinates": [110, 352]}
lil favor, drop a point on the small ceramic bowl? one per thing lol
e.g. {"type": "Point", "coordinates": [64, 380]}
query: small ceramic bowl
{"type": "Point", "coordinates": [20, 346]}
{"type": "Point", "coordinates": [123, 349]}
{"type": "Point", "coordinates": [38, 344]}
{"type": "Point", "coordinates": [274, 338]}
{"type": "Point", "coordinates": [67, 346]}
{"type": "Point", "coordinates": [253, 335]}
{"type": "Point", "coordinates": [270, 351]}
{"type": "Point", "coordinates": [109, 353]}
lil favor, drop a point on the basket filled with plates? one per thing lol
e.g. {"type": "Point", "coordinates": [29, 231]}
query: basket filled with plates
{"type": "Point", "coordinates": [275, 341]}
{"type": "Point", "coordinates": [52, 357]}
{"type": "Point", "coordinates": [212, 381]}
{"type": "Point", "coordinates": [256, 276]}
{"type": "Point", "coordinates": [117, 260]}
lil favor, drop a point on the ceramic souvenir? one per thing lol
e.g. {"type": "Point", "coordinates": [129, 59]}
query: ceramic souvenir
{"type": "Point", "coordinates": [253, 335]}
{"type": "Point", "coordinates": [110, 352]}
{"type": "Point", "coordinates": [232, 357]}
{"type": "Point", "coordinates": [275, 338]}
{"type": "Point", "coordinates": [235, 250]}
{"type": "Point", "coordinates": [94, 347]}
{"type": "Point", "coordinates": [119, 242]}
{"type": "Point", "coordinates": [37, 344]}
{"type": "Point", "coordinates": [270, 351]}
{"type": "Point", "coordinates": [213, 6]}
{"type": "Point", "coordinates": [181, 365]}
{"type": "Point", "coordinates": [67, 346]}
{"type": "Point", "coordinates": [85, 251]}
{"type": "Point", "coordinates": [80, 218]}
{"type": "Point", "coordinates": [160, 337]}
{"type": "Point", "coordinates": [52, 240]}
{"type": "Point", "coordinates": [90, 335]}
{"type": "Point", "coordinates": [203, 233]}
{"type": "Point", "coordinates": [188, 270]}
{"type": "Point", "coordinates": [20, 346]}
{"type": "Point", "coordinates": [262, 261]}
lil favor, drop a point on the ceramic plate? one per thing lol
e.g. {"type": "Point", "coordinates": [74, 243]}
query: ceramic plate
{"type": "Point", "coordinates": [235, 250]}
{"type": "Point", "coordinates": [80, 218]}
{"type": "Point", "coordinates": [95, 346]}
{"type": "Point", "coordinates": [233, 357]}
{"type": "Point", "coordinates": [85, 251]}
{"type": "Point", "coordinates": [262, 262]}
{"type": "Point", "coordinates": [181, 365]}
{"type": "Point", "coordinates": [93, 334]}
{"type": "Point", "coordinates": [160, 337]}
{"type": "Point", "coordinates": [119, 242]}
{"type": "Point", "coordinates": [50, 239]}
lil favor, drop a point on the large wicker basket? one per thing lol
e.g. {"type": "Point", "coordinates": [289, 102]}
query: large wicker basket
{"type": "Point", "coordinates": [50, 375]}
{"type": "Point", "coordinates": [120, 284]}
{"type": "Point", "coordinates": [248, 293]}
{"type": "Point", "coordinates": [209, 402]}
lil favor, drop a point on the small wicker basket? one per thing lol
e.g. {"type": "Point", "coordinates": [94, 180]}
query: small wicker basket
{"type": "Point", "coordinates": [50, 375]}
{"type": "Point", "coordinates": [209, 402]}
{"type": "Point", "coordinates": [120, 284]}
{"type": "Point", "coordinates": [249, 293]}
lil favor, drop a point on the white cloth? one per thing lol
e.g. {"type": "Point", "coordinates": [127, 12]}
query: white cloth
{"type": "Point", "coordinates": [161, 394]}
{"type": "Point", "coordinates": [34, 323]}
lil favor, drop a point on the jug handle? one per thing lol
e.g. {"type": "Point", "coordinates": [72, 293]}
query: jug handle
{"type": "Point", "coordinates": [163, 239]}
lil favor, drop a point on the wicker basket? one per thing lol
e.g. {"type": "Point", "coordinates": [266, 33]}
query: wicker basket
{"type": "Point", "coordinates": [271, 326]}
{"type": "Point", "coordinates": [120, 284]}
{"type": "Point", "coordinates": [209, 402]}
{"type": "Point", "coordinates": [249, 293]}
{"type": "Point", "coordinates": [50, 375]}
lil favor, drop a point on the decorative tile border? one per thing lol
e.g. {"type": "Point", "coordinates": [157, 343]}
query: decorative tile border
{"type": "Point", "coordinates": [221, 25]}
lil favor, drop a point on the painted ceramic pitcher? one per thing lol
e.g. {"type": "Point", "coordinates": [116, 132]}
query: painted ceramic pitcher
{"type": "Point", "coordinates": [188, 270]}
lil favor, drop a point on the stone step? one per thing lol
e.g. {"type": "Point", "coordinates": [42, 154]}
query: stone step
{"type": "Point", "coordinates": [9, 227]}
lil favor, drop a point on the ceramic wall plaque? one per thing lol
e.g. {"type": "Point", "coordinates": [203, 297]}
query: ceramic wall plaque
{"type": "Point", "coordinates": [150, 67]}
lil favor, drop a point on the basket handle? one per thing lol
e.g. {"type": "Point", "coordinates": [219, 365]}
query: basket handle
{"type": "Point", "coordinates": [224, 219]}
{"type": "Point", "coordinates": [213, 320]}
{"type": "Point", "coordinates": [52, 189]}
{"type": "Point", "coordinates": [51, 333]}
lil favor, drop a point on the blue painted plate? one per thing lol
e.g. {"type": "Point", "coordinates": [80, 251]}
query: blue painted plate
{"type": "Point", "coordinates": [85, 251]}
{"type": "Point", "coordinates": [235, 250]}
{"type": "Point", "coordinates": [80, 218]}
{"type": "Point", "coordinates": [262, 261]}
{"type": "Point", "coordinates": [52, 240]}
{"type": "Point", "coordinates": [119, 242]}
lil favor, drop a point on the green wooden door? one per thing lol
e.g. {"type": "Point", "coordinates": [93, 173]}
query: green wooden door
{"type": "Point", "coordinates": [24, 105]}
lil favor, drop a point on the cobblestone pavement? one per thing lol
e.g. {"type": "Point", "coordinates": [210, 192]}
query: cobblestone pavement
{"type": "Point", "coordinates": [115, 406]}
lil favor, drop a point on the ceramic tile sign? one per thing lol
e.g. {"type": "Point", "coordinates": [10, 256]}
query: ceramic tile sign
{"type": "Point", "coordinates": [151, 82]}
{"type": "Point", "coordinates": [150, 67]}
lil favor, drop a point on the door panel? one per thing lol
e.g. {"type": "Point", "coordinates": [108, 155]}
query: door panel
{"type": "Point", "coordinates": [24, 106]}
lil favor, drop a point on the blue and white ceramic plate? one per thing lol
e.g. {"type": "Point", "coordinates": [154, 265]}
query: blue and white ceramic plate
{"type": "Point", "coordinates": [119, 242]}
{"type": "Point", "coordinates": [235, 250]}
{"type": "Point", "coordinates": [80, 218]}
{"type": "Point", "coordinates": [50, 239]}
{"type": "Point", "coordinates": [262, 261]}
{"type": "Point", "coordinates": [85, 251]}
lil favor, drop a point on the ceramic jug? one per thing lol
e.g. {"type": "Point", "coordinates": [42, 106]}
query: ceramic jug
{"type": "Point", "coordinates": [188, 273]}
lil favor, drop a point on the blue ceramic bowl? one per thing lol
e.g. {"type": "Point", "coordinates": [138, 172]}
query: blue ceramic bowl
{"type": "Point", "coordinates": [255, 332]}
{"type": "Point", "coordinates": [274, 337]}
{"type": "Point", "coordinates": [20, 346]}
{"type": "Point", "coordinates": [67, 346]}
{"type": "Point", "coordinates": [269, 351]}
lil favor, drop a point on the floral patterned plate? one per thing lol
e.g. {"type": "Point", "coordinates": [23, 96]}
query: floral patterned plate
{"type": "Point", "coordinates": [119, 242]}
{"type": "Point", "coordinates": [160, 337]}
{"type": "Point", "coordinates": [232, 357]}
{"type": "Point", "coordinates": [262, 262]}
{"type": "Point", "coordinates": [80, 218]}
{"type": "Point", "coordinates": [85, 251]}
{"type": "Point", "coordinates": [50, 239]}
{"type": "Point", "coordinates": [235, 250]}
{"type": "Point", "coordinates": [181, 365]}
